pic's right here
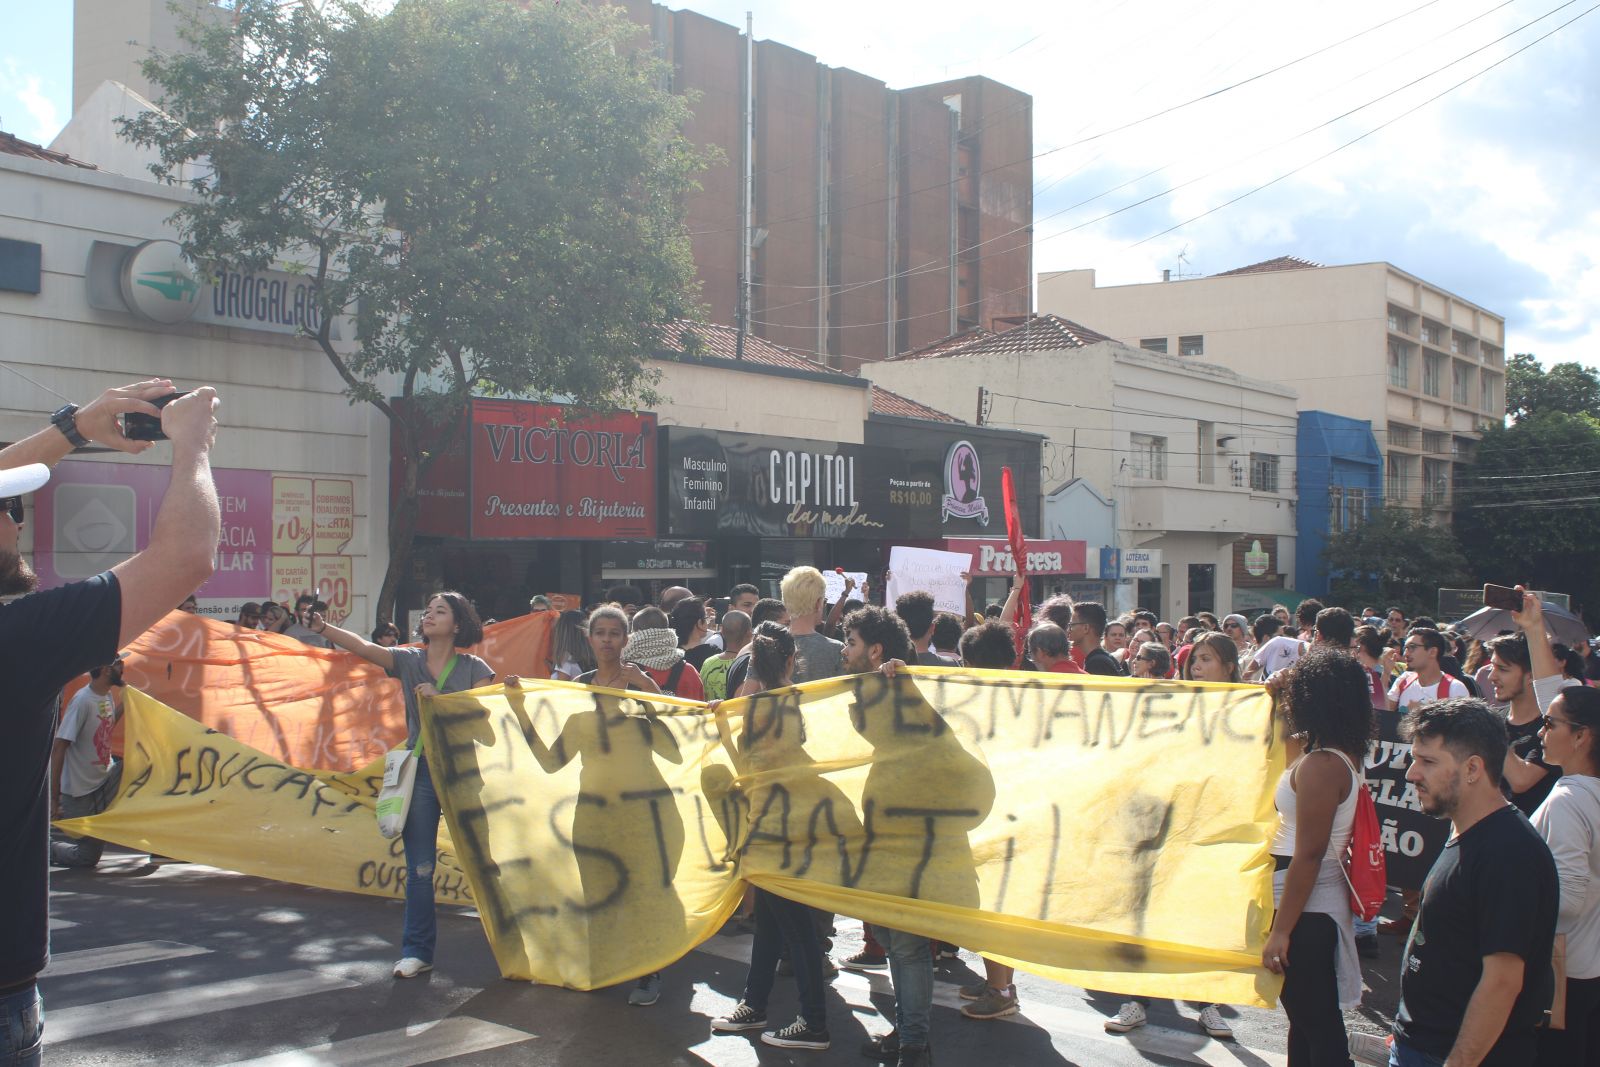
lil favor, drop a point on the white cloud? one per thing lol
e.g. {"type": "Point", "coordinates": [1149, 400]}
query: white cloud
{"type": "Point", "coordinates": [43, 116]}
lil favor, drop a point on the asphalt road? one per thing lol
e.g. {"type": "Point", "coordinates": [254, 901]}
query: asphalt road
{"type": "Point", "coordinates": [185, 964]}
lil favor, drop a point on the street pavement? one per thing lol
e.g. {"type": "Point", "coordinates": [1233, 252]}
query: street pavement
{"type": "Point", "coordinates": [187, 964]}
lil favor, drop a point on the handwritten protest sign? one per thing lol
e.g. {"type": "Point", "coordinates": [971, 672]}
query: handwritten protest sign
{"type": "Point", "coordinates": [929, 570]}
{"type": "Point", "coordinates": [1111, 833]}
{"type": "Point", "coordinates": [195, 794]}
{"type": "Point", "coordinates": [835, 584]}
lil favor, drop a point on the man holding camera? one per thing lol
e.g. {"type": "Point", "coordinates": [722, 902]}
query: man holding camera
{"type": "Point", "coordinates": [48, 638]}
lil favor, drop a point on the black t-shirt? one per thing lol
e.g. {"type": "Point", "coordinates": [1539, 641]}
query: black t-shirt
{"type": "Point", "coordinates": [1099, 661]}
{"type": "Point", "coordinates": [1493, 889]}
{"type": "Point", "coordinates": [1525, 743]}
{"type": "Point", "coordinates": [697, 656]}
{"type": "Point", "coordinates": [737, 671]}
{"type": "Point", "coordinates": [46, 640]}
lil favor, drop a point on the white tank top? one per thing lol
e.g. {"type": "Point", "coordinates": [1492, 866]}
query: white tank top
{"type": "Point", "coordinates": [1344, 818]}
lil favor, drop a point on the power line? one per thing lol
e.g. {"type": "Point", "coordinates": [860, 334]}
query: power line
{"type": "Point", "coordinates": [935, 266]}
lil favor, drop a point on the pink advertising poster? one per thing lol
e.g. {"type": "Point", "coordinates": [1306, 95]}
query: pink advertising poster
{"type": "Point", "coordinates": [93, 515]}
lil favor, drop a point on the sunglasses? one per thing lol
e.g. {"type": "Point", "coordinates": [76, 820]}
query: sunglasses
{"type": "Point", "coordinates": [12, 505]}
{"type": "Point", "coordinates": [1547, 721]}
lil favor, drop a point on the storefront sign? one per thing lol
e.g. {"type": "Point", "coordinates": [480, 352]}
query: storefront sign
{"type": "Point", "coordinates": [909, 483]}
{"type": "Point", "coordinates": [664, 556]}
{"type": "Point", "coordinates": [157, 282]}
{"type": "Point", "coordinates": [993, 558]}
{"type": "Point", "coordinates": [539, 470]}
{"type": "Point", "coordinates": [93, 515]}
{"type": "Point", "coordinates": [1255, 562]}
{"type": "Point", "coordinates": [1141, 563]}
{"type": "Point", "coordinates": [949, 480]}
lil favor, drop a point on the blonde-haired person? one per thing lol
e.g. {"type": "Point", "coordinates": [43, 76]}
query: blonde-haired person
{"type": "Point", "coordinates": [817, 656]}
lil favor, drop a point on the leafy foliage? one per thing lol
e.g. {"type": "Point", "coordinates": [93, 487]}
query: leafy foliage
{"type": "Point", "coordinates": [1528, 508]}
{"type": "Point", "coordinates": [1570, 388]}
{"type": "Point", "coordinates": [491, 191]}
{"type": "Point", "coordinates": [1397, 557]}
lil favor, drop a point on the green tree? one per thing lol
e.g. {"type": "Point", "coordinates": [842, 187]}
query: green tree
{"type": "Point", "coordinates": [1529, 507]}
{"type": "Point", "coordinates": [1566, 387]}
{"type": "Point", "coordinates": [491, 192]}
{"type": "Point", "coordinates": [1397, 557]}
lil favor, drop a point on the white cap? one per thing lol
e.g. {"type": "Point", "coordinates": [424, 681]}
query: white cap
{"type": "Point", "coordinates": [24, 479]}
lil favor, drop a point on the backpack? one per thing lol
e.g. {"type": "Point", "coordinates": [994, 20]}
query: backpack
{"type": "Point", "coordinates": [1441, 692]}
{"type": "Point", "coordinates": [670, 686]}
{"type": "Point", "coordinates": [1366, 870]}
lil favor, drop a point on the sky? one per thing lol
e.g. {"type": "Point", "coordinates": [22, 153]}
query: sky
{"type": "Point", "coordinates": [1317, 115]}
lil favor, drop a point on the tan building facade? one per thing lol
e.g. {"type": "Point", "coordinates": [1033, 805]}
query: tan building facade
{"type": "Point", "coordinates": [1193, 464]}
{"type": "Point", "coordinates": [1363, 340]}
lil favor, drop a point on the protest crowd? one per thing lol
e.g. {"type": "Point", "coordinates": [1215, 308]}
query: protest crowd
{"type": "Point", "coordinates": [1502, 964]}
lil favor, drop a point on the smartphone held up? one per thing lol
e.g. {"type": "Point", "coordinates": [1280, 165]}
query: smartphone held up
{"type": "Point", "coordinates": [1503, 597]}
{"type": "Point", "coordinates": [137, 426]}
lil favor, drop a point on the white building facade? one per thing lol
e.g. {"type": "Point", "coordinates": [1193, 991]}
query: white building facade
{"type": "Point", "coordinates": [1191, 465]}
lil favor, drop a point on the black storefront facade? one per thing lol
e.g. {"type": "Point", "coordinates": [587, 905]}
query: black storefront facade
{"type": "Point", "coordinates": [765, 504]}
{"type": "Point", "coordinates": [537, 498]}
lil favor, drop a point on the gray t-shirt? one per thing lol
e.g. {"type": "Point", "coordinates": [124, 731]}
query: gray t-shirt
{"type": "Point", "coordinates": [411, 667]}
{"type": "Point", "coordinates": [87, 724]}
{"type": "Point", "coordinates": [816, 657]}
{"type": "Point", "coordinates": [306, 636]}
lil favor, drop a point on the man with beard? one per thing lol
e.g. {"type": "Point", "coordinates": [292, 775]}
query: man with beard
{"type": "Point", "coordinates": [84, 775]}
{"type": "Point", "coordinates": [48, 638]}
{"type": "Point", "coordinates": [1476, 979]}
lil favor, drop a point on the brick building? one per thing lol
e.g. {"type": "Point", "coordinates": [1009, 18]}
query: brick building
{"type": "Point", "coordinates": [884, 219]}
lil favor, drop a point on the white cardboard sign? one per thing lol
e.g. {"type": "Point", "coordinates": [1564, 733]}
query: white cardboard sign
{"type": "Point", "coordinates": [929, 570]}
{"type": "Point", "coordinates": [835, 584]}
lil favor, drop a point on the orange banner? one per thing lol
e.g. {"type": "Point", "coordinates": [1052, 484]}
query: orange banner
{"type": "Point", "coordinates": [309, 707]}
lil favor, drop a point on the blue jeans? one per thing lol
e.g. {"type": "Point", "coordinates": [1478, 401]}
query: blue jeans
{"type": "Point", "coordinates": [21, 1029]}
{"type": "Point", "coordinates": [1403, 1055]}
{"type": "Point", "coordinates": [421, 839]}
{"type": "Point", "coordinates": [911, 971]}
{"type": "Point", "coordinates": [1364, 928]}
{"type": "Point", "coordinates": [783, 923]}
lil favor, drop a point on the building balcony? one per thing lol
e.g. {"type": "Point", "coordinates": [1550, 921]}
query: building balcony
{"type": "Point", "coordinates": [1221, 509]}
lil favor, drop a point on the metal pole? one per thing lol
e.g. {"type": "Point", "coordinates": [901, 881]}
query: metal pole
{"type": "Point", "coordinates": [747, 245]}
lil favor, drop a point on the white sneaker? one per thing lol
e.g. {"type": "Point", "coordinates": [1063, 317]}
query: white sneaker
{"type": "Point", "coordinates": [410, 967]}
{"type": "Point", "coordinates": [1130, 1017]}
{"type": "Point", "coordinates": [1211, 1022]}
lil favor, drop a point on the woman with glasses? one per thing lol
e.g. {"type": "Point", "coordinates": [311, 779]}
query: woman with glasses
{"type": "Point", "coordinates": [1237, 629]}
{"type": "Point", "coordinates": [1569, 821]}
{"type": "Point", "coordinates": [1151, 661]}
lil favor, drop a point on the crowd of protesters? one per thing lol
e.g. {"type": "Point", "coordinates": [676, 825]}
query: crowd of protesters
{"type": "Point", "coordinates": [1504, 747]}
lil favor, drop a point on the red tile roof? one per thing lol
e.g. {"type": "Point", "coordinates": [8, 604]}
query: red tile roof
{"type": "Point", "coordinates": [711, 341]}
{"type": "Point", "coordinates": [12, 145]}
{"type": "Point", "coordinates": [1267, 266]}
{"type": "Point", "coordinates": [885, 402]}
{"type": "Point", "coordinates": [1040, 333]}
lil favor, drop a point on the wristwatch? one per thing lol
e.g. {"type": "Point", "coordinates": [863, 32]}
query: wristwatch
{"type": "Point", "coordinates": [66, 420]}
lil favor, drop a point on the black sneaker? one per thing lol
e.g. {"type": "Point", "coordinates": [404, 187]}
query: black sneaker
{"type": "Point", "coordinates": [797, 1034]}
{"type": "Point", "coordinates": [865, 961]}
{"type": "Point", "coordinates": [743, 1017]}
{"type": "Point", "coordinates": [915, 1056]}
{"type": "Point", "coordinates": [885, 1048]}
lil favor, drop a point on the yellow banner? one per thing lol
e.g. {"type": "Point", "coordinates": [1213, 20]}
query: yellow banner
{"type": "Point", "coordinates": [195, 794]}
{"type": "Point", "coordinates": [1106, 832]}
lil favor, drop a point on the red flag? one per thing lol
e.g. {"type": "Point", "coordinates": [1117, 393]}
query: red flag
{"type": "Point", "coordinates": [1024, 616]}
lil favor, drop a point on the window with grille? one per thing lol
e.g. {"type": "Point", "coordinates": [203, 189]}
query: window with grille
{"type": "Point", "coordinates": [1432, 374]}
{"type": "Point", "coordinates": [1154, 344]}
{"type": "Point", "coordinates": [1399, 365]}
{"type": "Point", "coordinates": [1263, 472]}
{"type": "Point", "coordinates": [1149, 457]}
{"type": "Point", "coordinates": [1193, 345]}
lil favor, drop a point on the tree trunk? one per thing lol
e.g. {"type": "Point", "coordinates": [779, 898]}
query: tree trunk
{"type": "Point", "coordinates": [402, 532]}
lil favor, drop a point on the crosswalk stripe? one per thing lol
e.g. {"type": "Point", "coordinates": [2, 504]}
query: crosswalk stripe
{"type": "Point", "coordinates": [404, 1047]}
{"type": "Point", "coordinates": [146, 1009]}
{"type": "Point", "coordinates": [100, 959]}
{"type": "Point", "coordinates": [60, 924]}
{"type": "Point", "coordinates": [1058, 1022]}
